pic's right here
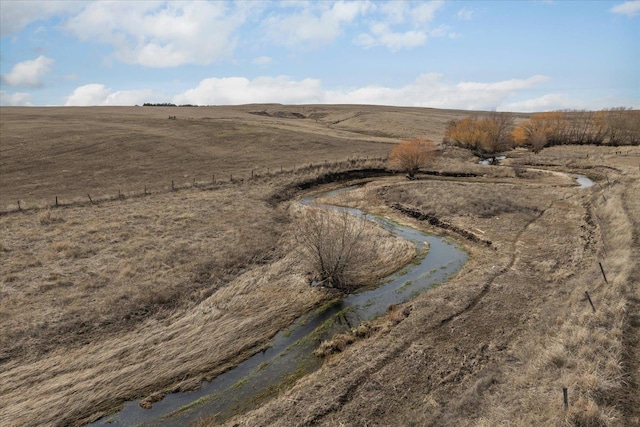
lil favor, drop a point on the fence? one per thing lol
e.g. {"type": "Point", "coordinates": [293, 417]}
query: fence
{"type": "Point", "coordinates": [214, 181]}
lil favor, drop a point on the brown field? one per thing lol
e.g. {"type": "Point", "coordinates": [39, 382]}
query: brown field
{"type": "Point", "coordinates": [72, 152]}
{"type": "Point", "coordinates": [129, 298]}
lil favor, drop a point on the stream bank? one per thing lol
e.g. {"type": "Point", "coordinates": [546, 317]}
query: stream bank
{"type": "Point", "coordinates": [291, 352]}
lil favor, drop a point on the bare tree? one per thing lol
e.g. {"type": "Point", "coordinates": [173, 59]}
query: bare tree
{"type": "Point", "coordinates": [333, 246]}
{"type": "Point", "coordinates": [412, 154]}
{"type": "Point", "coordinates": [499, 131]}
{"type": "Point", "coordinates": [538, 141]}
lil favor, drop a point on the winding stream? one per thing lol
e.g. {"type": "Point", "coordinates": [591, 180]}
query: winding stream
{"type": "Point", "coordinates": [290, 354]}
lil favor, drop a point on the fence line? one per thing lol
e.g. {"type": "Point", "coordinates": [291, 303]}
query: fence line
{"type": "Point", "coordinates": [253, 175]}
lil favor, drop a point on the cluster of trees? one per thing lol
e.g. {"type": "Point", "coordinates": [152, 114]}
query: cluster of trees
{"type": "Point", "coordinates": [166, 104]}
{"type": "Point", "coordinates": [498, 132]}
{"type": "Point", "coordinates": [159, 104]}
{"type": "Point", "coordinates": [616, 126]}
{"type": "Point", "coordinates": [485, 136]}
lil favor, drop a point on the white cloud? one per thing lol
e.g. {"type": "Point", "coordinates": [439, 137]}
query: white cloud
{"type": "Point", "coordinates": [431, 90]}
{"type": "Point", "coordinates": [397, 14]}
{"type": "Point", "coordinates": [16, 15]}
{"type": "Point", "coordinates": [239, 90]}
{"type": "Point", "coordinates": [314, 24]}
{"type": "Point", "coordinates": [29, 73]}
{"type": "Point", "coordinates": [426, 11]}
{"type": "Point", "coordinates": [549, 102]}
{"type": "Point", "coordinates": [465, 14]}
{"type": "Point", "coordinates": [441, 31]}
{"type": "Point", "coordinates": [428, 90]}
{"type": "Point", "coordinates": [381, 35]}
{"type": "Point", "coordinates": [14, 99]}
{"type": "Point", "coordinates": [394, 12]}
{"type": "Point", "coordinates": [98, 94]}
{"type": "Point", "coordinates": [562, 101]}
{"type": "Point", "coordinates": [159, 34]}
{"type": "Point", "coordinates": [262, 60]}
{"type": "Point", "coordinates": [629, 8]}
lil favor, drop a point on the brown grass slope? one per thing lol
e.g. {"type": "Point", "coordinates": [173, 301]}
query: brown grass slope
{"type": "Point", "coordinates": [103, 304]}
{"type": "Point", "coordinates": [69, 152]}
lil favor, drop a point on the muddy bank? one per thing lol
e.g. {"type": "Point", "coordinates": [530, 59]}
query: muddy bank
{"type": "Point", "coordinates": [436, 222]}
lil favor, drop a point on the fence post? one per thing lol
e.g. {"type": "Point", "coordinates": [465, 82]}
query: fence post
{"type": "Point", "coordinates": [56, 200]}
{"type": "Point", "coordinates": [590, 302]}
{"type": "Point", "coordinates": [565, 395]}
{"type": "Point", "coordinates": [603, 275]}
{"type": "Point", "coordinates": [19, 205]}
{"type": "Point", "coordinates": [145, 190]}
{"type": "Point", "coordinates": [172, 188]}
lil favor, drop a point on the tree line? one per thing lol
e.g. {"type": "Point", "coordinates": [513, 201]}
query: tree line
{"type": "Point", "coordinates": [499, 132]}
{"type": "Point", "coordinates": [166, 104]}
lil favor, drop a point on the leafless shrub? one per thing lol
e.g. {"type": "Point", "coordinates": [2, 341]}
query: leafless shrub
{"type": "Point", "coordinates": [333, 246]}
{"type": "Point", "coordinates": [538, 141]}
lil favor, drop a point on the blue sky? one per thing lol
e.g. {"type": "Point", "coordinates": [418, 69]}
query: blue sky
{"type": "Point", "coordinates": [476, 55]}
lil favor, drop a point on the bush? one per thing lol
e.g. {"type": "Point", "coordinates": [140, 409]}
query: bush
{"type": "Point", "coordinates": [333, 246]}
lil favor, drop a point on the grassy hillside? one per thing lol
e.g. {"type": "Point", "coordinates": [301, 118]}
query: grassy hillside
{"type": "Point", "coordinates": [133, 297]}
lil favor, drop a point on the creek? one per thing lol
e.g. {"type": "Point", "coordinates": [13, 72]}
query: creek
{"type": "Point", "coordinates": [290, 353]}
{"type": "Point", "coordinates": [583, 181]}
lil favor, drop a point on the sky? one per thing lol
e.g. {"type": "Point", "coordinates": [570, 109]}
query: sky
{"type": "Point", "coordinates": [475, 55]}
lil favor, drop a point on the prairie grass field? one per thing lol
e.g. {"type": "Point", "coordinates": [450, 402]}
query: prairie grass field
{"type": "Point", "coordinates": [130, 296]}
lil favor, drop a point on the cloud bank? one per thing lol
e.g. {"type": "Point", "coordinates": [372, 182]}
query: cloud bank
{"type": "Point", "coordinates": [427, 90]}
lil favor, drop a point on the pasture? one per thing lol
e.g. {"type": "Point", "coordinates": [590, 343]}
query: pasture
{"type": "Point", "coordinates": [134, 286]}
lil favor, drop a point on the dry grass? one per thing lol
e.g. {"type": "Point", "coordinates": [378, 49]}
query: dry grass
{"type": "Point", "coordinates": [575, 347]}
{"type": "Point", "coordinates": [496, 345]}
{"type": "Point", "coordinates": [169, 285]}
{"type": "Point", "coordinates": [131, 298]}
{"type": "Point", "coordinates": [102, 268]}
{"type": "Point", "coordinates": [69, 152]}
